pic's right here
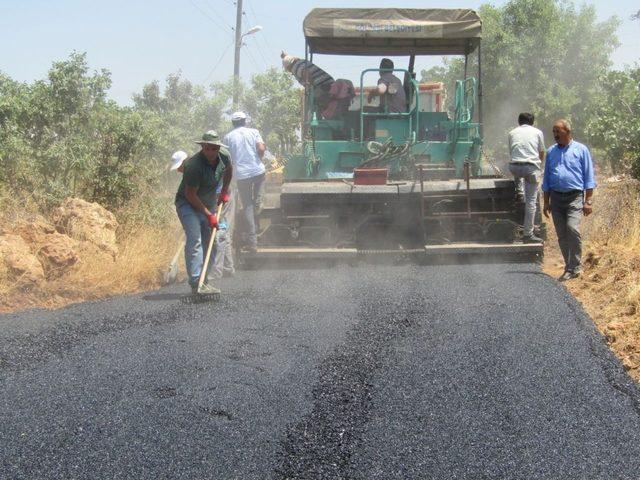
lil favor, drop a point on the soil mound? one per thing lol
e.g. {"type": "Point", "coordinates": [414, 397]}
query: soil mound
{"type": "Point", "coordinates": [88, 222]}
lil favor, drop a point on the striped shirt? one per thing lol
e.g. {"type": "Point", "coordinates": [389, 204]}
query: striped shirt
{"type": "Point", "coordinates": [318, 77]}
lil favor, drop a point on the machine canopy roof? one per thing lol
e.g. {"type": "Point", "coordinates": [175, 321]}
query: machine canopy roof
{"type": "Point", "coordinates": [392, 31]}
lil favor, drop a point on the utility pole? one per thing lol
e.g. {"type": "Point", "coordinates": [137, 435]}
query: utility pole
{"type": "Point", "coordinates": [236, 62]}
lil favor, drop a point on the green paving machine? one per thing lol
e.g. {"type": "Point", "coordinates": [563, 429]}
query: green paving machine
{"type": "Point", "coordinates": [369, 182]}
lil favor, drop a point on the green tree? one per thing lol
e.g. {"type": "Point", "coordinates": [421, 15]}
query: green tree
{"type": "Point", "coordinates": [615, 125]}
{"type": "Point", "coordinates": [179, 114]}
{"type": "Point", "coordinates": [58, 134]}
{"type": "Point", "coordinates": [549, 56]}
{"type": "Point", "coordinates": [62, 136]}
{"type": "Point", "coordinates": [542, 56]}
{"type": "Point", "coordinates": [14, 147]}
{"type": "Point", "coordinates": [274, 103]}
{"type": "Point", "coordinates": [452, 69]}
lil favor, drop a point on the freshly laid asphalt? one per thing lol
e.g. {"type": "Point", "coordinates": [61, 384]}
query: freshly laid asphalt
{"type": "Point", "coordinates": [369, 372]}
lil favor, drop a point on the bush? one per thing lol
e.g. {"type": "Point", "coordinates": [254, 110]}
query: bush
{"type": "Point", "coordinates": [61, 137]}
{"type": "Point", "coordinates": [615, 123]}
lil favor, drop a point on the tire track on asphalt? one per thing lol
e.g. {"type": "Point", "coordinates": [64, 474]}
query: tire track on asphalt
{"type": "Point", "coordinates": [322, 443]}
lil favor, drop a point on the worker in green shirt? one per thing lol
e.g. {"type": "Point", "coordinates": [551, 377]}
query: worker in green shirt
{"type": "Point", "coordinates": [196, 200]}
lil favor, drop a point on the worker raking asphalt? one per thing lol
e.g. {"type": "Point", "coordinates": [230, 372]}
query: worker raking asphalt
{"type": "Point", "coordinates": [367, 372]}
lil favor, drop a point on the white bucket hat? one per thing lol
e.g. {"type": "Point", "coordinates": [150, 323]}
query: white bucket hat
{"type": "Point", "coordinates": [177, 158]}
{"type": "Point", "coordinates": [238, 116]}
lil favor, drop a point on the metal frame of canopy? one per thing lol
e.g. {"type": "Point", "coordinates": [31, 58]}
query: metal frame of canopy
{"type": "Point", "coordinates": [396, 32]}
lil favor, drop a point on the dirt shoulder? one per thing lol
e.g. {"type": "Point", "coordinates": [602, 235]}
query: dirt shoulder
{"type": "Point", "coordinates": [609, 289]}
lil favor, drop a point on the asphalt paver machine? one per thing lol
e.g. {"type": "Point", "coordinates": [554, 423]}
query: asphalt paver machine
{"type": "Point", "coordinates": [370, 182]}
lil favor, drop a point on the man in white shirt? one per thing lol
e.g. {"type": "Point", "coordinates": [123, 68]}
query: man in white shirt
{"type": "Point", "coordinates": [247, 148]}
{"type": "Point", "coordinates": [526, 148]}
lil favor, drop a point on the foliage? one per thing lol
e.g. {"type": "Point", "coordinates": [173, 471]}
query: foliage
{"type": "Point", "coordinates": [452, 69]}
{"type": "Point", "coordinates": [14, 117]}
{"type": "Point", "coordinates": [61, 136]}
{"type": "Point", "coordinates": [179, 114]}
{"type": "Point", "coordinates": [615, 125]}
{"type": "Point", "coordinates": [542, 56]}
{"type": "Point", "coordinates": [275, 106]}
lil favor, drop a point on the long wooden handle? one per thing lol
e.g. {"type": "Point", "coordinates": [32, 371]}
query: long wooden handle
{"type": "Point", "coordinates": [178, 252]}
{"type": "Point", "coordinates": [209, 249]}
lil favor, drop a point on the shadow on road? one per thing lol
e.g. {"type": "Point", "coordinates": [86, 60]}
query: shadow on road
{"type": "Point", "coordinates": [525, 272]}
{"type": "Point", "coordinates": [163, 296]}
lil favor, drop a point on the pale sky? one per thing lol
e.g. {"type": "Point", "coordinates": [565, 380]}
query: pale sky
{"type": "Point", "coordinates": [140, 41]}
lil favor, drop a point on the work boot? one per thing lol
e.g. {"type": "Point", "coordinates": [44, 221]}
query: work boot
{"type": "Point", "coordinates": [208, 289]}
{"type": "Point", "coordinates": [531, 239]}
{"type": "Point", "coordinates": [568, 276]}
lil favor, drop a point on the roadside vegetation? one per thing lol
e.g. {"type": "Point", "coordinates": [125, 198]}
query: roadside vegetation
{"type": "Point", "coordinates": [62, 138]}
{"type": "Point", "coordinates": [609, 288]}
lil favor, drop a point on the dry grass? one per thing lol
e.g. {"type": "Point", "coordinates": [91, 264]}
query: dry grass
{"type": "Point", "coordinates": [609, 289]}
{"type": "Point", "coordinates": [144, 255]}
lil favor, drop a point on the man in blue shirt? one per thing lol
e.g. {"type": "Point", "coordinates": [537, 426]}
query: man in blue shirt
{"type": "Point", "coordinates": [568, 185]}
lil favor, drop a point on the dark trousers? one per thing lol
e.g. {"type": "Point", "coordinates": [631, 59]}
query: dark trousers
{"type": "Point", "coordinates": [566, 209]}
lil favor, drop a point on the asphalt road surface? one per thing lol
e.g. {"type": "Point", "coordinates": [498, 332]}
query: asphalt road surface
{"type": "Point", "coordinates": [373, 372]}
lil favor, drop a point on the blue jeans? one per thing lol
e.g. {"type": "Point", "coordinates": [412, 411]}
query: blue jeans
{"type": "Point", "coordinates": [251, 191]}
{"type": "Point", "coordinates": [197, 230]}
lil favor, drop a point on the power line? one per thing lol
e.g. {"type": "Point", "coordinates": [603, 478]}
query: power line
{"type": "Point", "coordinates": [266, 63]}
{"type": "Point", "coordinates": [218, 62]}
{"type": "Point", "coordinates": [255, 17]}
{"type": "Point", "coordinates": [260, 51]}
{"type": "Point", "coordinates": [214, 9]}
{"type": "Point", "coordinates": [210, 17]}
{"type": "Point", "coordinates": [252, 57]}
{"type": "Point", "coordinates": [262, 37]}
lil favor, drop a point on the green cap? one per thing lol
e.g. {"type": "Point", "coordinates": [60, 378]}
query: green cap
{"type": "Point", "coordinates": [212, 138]}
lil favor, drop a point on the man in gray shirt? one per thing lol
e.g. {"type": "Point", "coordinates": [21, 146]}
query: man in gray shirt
{"type": "Point", "coordinates": [526, 148]}
{"type": "Point", "coordinates": [390, 89]}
